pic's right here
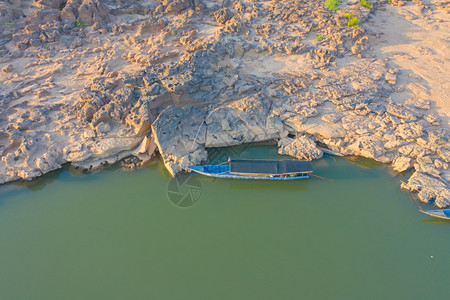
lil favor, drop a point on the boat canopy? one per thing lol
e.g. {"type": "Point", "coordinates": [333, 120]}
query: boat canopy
{"type": "Point", "coordinates": [272, 167]}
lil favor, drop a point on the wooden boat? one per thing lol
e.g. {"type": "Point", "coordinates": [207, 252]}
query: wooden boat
{"type": "Point", "coordinates": [439, 213]}
{"type": "Point", "coordinates": [257, 169]}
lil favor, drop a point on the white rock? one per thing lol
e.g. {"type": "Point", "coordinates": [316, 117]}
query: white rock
{"type": "Point", "coordinates": [401, 164]}
{"type": "Point", "coordinates": [429, 188]}
{"type": "Point", "coordinates": [301, 148]}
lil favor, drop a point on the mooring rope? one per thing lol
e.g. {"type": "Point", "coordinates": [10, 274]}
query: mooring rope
{"type": "Point", "coordinates": [415, 200]}
{"type": "Point", "coordinates": [199, 127]}
{"type": "Point", "coordinates": [320, 177]}
{"type": "Point", "coordinates": [411, 196]}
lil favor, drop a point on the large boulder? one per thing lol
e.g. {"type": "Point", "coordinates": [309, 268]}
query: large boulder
{"type": "Point", "coordinates": [401, 163]}
{"type": "Point", "coordinates": [409, 131]}
{"type": "Point", "coordinates": [369, 147]}
{"type": "Point", "coordinates": [180, 136]}
{"type": "Point", "coordinates": [176, 6]}
{"type": "Point", "coordinates": [301, 148]}
{"type": "Point", "coordinates": [86, 11]}
{"type": "Point", "coordinates": [243, 121]}
{"type": "Point", "coordinates": [429, 188]}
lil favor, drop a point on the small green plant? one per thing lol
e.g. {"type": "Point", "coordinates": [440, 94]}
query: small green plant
{"type": "Point", "coordinates": [366, 4]}
{"type": "Point", "coordinates": [352, 20]}
{"type": "Point", "coordinates": [79, 24]}
{"type": "Point", "coordinates": [9, 24]}
{"type": "Point", "coordinates": [319, 38]}
{"type": "Point", "coordinates": [333, 4]}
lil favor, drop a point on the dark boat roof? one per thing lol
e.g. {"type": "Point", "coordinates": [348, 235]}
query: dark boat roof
{"type": "Point", "coordinates": [276, 167]}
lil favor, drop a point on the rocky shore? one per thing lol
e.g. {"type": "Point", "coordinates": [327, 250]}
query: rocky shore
{"type": "Point", "coordinates": [89, 82]}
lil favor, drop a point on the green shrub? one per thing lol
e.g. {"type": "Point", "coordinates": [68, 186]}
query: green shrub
{"type": "Point", "coordinates": [9, 24]}
{"type": "Point", "coordinates": [366, 4]}
{"type": "Point", "coordinates": [352, 20]}
{"type": "Point", "coordinates": [333, 4]}
{"type": "Point", "coordinates": [79, 24]}
{"type": "Point", "coordinates": [319, 38]}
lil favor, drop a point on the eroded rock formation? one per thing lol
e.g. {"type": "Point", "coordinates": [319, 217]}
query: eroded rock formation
{"type": "Point", "coordinates": [89, 82]}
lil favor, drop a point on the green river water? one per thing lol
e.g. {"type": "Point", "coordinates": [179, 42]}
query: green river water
{"type": "Point", "coordinates": [115, 234]}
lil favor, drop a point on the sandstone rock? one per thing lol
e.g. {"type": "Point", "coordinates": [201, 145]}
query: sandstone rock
{"type": "Point", "coordinates": [8, 68]}
{"type": "Point", "coordinates": [429, 188]}
{"type": "Point", "coordinates": [147, 146]}
{"type": "Point", "coordinates": [302, 148]}
{"type": "Point", "coordinates": [370, 147]}
{"type": "Point", "coordinates": [444, 153]}
{"type": "Point", "coordinates": [180, 136]}
{"type": "Point", "coordinates": [77, 42]}
{"type": "Point", "coordinates": [409, 131]}
{"type": "Point", "coordinates": [426, 165]}
{"type": "Point", "coordinates": [402, 164]}
{"type": "Point", "coordinates": [109, 148]}
{"type": "Point", "coordinates": [103, 128]}
{"type": "Point", "coordinates": [86, 11]}
{"type": "Point", "coordinates": [230, 81]}
{"type": "Point", "coordinates": [101, 115]}
{"type": "Point", "coordinates": [440, 164]}
{"type": "Point", "coordinates": [76, 152]}
{"type": "Point", "coordinates": [222, 15]}
{"type": "Point", "coordinates": [433, 119]}
{"type": "Point", "coordinates": [413, 150]}
{"type": "Point", "coordinates": [176, 6]}
{"type": "Point", "coordinates": [399, 112]}
{"type": "Point", "coordinates": [332, 118]}
{"type": "Point", "coordinates": [418, 103]}
{"type": "Point", "coordinates": [43, 93]}
{"type": "Point", "coordinates": [250, 119]}
{"type": "Point", "coordinates": [357, 124]}
{"type": "Point", "coordinates": [140, 119]}
{"type": "Point", "coordinates": [391, 78]}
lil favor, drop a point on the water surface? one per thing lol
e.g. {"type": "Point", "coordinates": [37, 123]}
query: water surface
{"type": "Point", "coordinates": [113, 234]}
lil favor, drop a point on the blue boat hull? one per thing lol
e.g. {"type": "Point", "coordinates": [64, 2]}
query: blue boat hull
{"type": "Point", "coordinates": [439, 213]}
{"type": "Point", "coordinates": [223, 171]}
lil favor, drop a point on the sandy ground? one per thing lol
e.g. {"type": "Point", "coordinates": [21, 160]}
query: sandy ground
{"type": "Point", "coordinates": [420, 49]}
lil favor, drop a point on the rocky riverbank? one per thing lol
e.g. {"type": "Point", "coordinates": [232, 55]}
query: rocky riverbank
{"type": "Point", "coordinates": [89, 82]}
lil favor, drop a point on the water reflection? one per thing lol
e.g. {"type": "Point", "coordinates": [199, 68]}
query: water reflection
{"type": "Point", "coordinates": [41, 182]}
{"type": "Point", "coordinates": [363, 163]}
{"type": "Point", "coordinates": [435, 221]}
{"type": "Point", "coordinates": [300, 185]}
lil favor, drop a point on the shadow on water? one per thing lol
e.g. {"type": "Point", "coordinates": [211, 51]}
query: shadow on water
{"type": "Point", "coordinates": [19, 186]}
{"type": "Point", "coordinates": [246, 184]}
{"type": "Point", "coordinates": [41, 182]}
{"type": "Point", "coordinates": [363, 163]}
{"type": "Point", "coordinates": [435, 221]}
